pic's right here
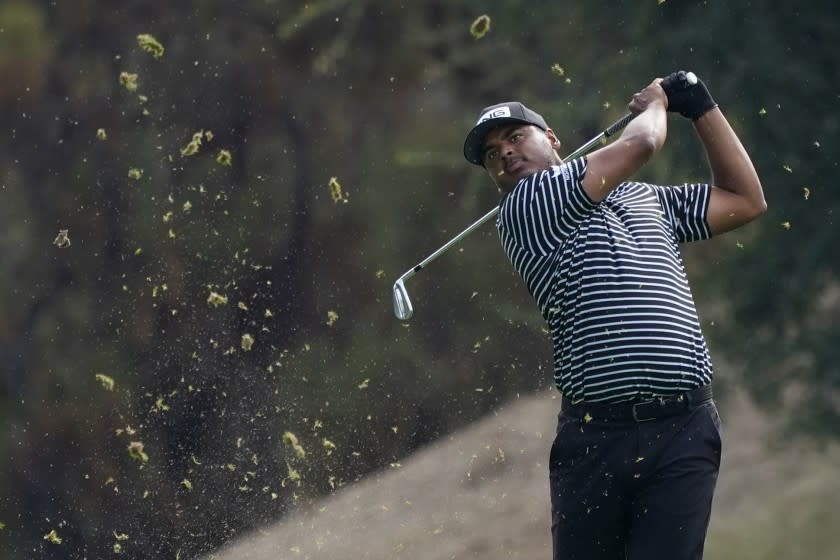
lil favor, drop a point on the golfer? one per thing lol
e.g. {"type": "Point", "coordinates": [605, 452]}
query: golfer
{"type": "Point", "coordinates": [636, 456]}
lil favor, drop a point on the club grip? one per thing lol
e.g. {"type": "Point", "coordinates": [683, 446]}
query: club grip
{"type": "Point", "coordinates": [618, 125]}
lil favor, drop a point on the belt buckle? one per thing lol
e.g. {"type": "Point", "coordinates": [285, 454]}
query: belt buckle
{"type": "Point", "coordinates": [636, 417]}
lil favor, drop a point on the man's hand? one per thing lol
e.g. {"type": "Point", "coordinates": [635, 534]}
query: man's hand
{"type": "Point", "coordinates": [642, 138]}
{"type": "Point", "coordinates": [691, 101]}
{"type": "Point", "coordinates": [653, 93]}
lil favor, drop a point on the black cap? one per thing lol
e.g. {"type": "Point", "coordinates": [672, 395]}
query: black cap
{"type": "Point", "coordinates": [493, 116]}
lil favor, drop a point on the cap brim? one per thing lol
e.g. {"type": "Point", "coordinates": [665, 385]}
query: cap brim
{"type": "Point", "coordinates": [474, 143]}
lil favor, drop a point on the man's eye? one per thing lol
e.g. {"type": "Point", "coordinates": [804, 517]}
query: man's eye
{"type": "Point", "coordinates": [490, 156]}
{"type": "Point", "coordinates": [516, 137]}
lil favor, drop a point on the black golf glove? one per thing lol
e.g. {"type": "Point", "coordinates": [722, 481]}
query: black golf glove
{"type": "Point", "coordinates": [691, 101]}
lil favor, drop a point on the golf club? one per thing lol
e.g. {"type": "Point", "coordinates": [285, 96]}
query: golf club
{"type": "Point", "coordinates": [402, 304]}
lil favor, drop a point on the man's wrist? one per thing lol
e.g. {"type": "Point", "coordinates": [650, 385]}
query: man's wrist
{"type": "Point", "coordinates": [705, 113]}
{"type": "Point", "coordinates": [702, 108]}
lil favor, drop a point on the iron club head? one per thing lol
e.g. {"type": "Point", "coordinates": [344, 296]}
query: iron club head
{"type": "Point", "coordinates": [402, 305]}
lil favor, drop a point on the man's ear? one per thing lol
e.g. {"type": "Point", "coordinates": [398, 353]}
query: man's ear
{"type": "Point", "coordinates": [555, 142]}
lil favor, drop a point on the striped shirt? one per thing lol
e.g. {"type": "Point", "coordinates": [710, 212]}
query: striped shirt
{"type": "Point", "coordinates": [610, 282]}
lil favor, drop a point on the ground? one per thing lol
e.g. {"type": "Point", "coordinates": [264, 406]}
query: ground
{"type": "Point", "coordinates": [482, 492]}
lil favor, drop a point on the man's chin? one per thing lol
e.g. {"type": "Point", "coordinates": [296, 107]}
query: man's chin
{"type": "Point", "coordinates": [508, 182]}
{"type": "Point", "coordinates": [523, 172]}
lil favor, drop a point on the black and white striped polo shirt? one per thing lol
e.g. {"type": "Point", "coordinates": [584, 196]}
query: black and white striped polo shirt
{"type": "Point", "coordinates": [610, 281]}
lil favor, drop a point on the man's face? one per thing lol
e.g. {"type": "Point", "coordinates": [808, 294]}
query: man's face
{"type": "Point", "coordinates": [514, 151]}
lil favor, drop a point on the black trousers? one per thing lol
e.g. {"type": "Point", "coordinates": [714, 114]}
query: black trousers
{"type": "Point", "coordinates": [625, 490]}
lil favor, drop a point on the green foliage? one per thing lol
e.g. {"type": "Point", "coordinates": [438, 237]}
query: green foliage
{"type": "Point", "coordinates": [796, 525]}
{"type": "Point", "coordinates": [379, 95]}
{"type": "Point", "coordinates": [24, 50]}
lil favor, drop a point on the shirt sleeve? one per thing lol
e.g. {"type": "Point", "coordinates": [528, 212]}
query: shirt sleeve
{"type": "Point", "coordinates": [546, 207]}
{"type": "Point", "coordinates": [687, 208]}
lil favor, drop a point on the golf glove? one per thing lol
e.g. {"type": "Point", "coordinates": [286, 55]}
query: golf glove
{"type": "Point", "coordinates": [691, 101]}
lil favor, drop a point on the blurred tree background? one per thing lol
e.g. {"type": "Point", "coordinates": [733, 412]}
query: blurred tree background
{"type": "Point", "coordinates": [241, 306]}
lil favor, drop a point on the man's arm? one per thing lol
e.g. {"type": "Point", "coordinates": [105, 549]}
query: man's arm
{"type": "Point", "coordinates": [643, 137]}
{"type": "Point", "coordinates": [737, 197]}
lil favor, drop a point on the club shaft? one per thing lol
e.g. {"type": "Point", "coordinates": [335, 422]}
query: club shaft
{"type": "Point", "coordinates": [450, 243]}
{"type": "Point", "coordinates": [609, 131]}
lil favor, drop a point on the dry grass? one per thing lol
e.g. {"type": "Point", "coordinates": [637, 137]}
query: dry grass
{"type": "Point", "coordinates": [483, 493]}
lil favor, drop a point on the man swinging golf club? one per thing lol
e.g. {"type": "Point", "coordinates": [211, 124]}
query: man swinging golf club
{"type": "Point", "coordinates": [636, 455]}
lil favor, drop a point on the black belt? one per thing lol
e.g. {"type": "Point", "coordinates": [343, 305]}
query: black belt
{"type": "Point", "coordinates": [638, 411]}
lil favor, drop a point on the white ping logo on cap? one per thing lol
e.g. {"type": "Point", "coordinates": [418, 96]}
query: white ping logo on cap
{"type": "Point", "coordinates": [496, 113]}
